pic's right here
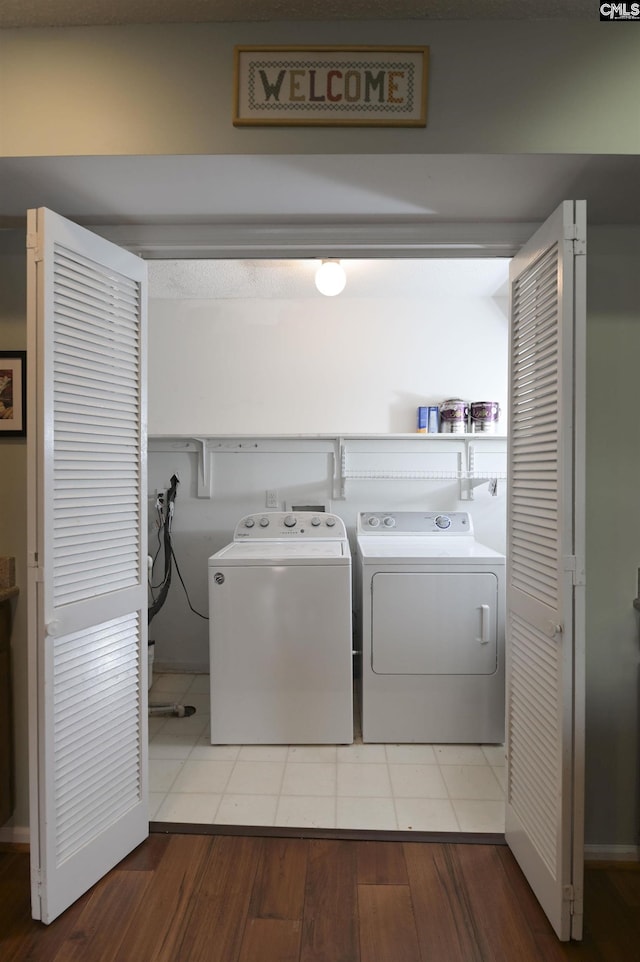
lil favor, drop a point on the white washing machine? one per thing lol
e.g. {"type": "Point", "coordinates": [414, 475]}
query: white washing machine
{"type": "Point", "coordinates": [280, 633]}
{"type": "Point", "coordinates": [433, 603]}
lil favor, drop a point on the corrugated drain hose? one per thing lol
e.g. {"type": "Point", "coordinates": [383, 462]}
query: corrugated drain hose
{"type": "Point", "coordinates": [167, 519]}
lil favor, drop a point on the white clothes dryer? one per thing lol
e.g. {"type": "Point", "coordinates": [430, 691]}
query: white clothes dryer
{"type": "Point", "coordinates": [280, 632]}
{"type": "Point", "coordinates": [433, 602]}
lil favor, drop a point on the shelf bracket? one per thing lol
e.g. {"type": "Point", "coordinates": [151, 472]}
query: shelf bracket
{"type": "Point", "coordinates": [466, 482]}
{"type": "Point", "coordinates": [205, 468]}
{"type": "Point", "coordinates": [340, 470]}
{"type": "Point", "coordinates": [470, 480]}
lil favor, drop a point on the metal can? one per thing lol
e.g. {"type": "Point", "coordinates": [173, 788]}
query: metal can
{"type": "Point", "coordinates": [454, 416]}
{"type": "Point", "coordinates": [484, 417]}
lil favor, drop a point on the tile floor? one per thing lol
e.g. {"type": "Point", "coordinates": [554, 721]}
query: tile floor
{"type": "Point", "coordinates": [439, 788]}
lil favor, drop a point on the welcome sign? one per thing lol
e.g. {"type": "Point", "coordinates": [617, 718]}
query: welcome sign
{"type": "Point", "coordinates": [331, 86]}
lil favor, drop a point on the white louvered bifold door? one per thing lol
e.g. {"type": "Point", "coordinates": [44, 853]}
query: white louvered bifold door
{"type": "Point", "coordinates": [545, 565]}
{"type": "Point", "coordinates": [87, 558]}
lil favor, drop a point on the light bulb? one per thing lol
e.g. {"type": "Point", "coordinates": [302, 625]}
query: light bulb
{"type": "Point", "coordinates": [330, 278]}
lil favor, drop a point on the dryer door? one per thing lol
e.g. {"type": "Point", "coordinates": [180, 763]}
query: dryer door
{"type": "Point", "coordinates": [434, 623]}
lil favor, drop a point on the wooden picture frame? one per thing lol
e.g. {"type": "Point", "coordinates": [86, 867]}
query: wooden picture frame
{"type": "Point", "coordinates": [13, 394]}
{"type": "Point", "coordinates": [330, 86]}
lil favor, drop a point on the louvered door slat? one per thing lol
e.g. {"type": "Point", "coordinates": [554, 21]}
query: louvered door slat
{"type": "Point", "coordinates": [112, 701]}
{"type": "Point", "coordinates": [540, 675]}
{"type": "Point", "coordinates": [105, 493]}
{"type": "Point", "coordinates": [95, 371]}
{"type": "Point", "coordinates": [536, 339]}
{"type": "Point", "coordinates": [94, 295]}
{"type": "Point", "coordinates": [535, 453]}
{"type": "Point", "coordinates": [77, 263]}
{"type": "Point", "coordinates": [536, 805]}
{"type": "Point", "coordinates": [77, 753]}
{"type": "Point", "coordinates": [118, 417]}
{"type": "Point", "coordinates": [92, 777]}
{"type": "Point", "coordinates": [89, 778]}
{"type": "Point", "coordinates": [109, 430]}
{"type": "Point", "coordinates": [93, 349]}
{"type": "Point", "coordinates": [73, 572]}
{"type": "Point", "coordinates": [75, 370]}
{"type": "Point", "coordinates": [71, 301]}
{"type": "Point", "coordinates": [527, 420]}
{"type": "Point", "coordinates": [85, 327]}
{"type": "Point", "coordinates": [99, 385]}
{"type": "Point", "coordinates": [93, 402]}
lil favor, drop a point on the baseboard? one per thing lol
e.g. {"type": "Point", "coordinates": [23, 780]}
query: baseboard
{"type": "Point", "coordinates": [612, 853]}
{"type": "Point", "coordinates": [14, 835]}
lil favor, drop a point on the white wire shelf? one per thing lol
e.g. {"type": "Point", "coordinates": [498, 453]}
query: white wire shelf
{"type": "Point", "coordinates": [423, 476]}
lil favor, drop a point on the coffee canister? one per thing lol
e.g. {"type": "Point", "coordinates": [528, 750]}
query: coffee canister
{"type": "Point", "coordinates": [484, 417]}
{"type": "Point", "coordinates": [454, 416]}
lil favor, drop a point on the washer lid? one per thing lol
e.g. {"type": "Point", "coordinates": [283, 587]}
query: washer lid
{"type": "Point", "coordinates": [283, 552]}
{"type": "Point", "coordinates": [403, 550]}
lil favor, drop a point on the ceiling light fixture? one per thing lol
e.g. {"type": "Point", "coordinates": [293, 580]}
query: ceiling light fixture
{"type": "Point", "coordinates": [330, 277]}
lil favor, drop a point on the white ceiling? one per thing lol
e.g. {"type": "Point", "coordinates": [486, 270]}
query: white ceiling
{"type": "Point", "coordinates": [294, 279]}
{"type": "Point", "coordinates": [64, 13]}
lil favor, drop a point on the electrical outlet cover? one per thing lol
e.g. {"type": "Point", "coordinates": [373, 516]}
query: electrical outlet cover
{"type": "Point", "coordinates": [271, 500]}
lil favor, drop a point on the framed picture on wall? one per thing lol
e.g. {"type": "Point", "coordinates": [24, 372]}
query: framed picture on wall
{"type": "Point", "coordinates": [13, 394]}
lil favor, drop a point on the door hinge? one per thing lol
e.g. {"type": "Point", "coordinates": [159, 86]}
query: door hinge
{"type": "Point", "coordinates": [32, 245]}
{"type": "Point", "coordinates": [32, 565]}
{"type": "Point", "coordinates": [570, 564]}
{"type": "Point", "coordinates": [36, 879]}
{"type": "Point", "coordinates": [568, 896]}
{"type": "Point", "coordinates": [579, 243]}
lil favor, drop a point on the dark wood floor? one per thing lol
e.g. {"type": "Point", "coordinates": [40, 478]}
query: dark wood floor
{"type": "Point", "coordinates": [191, 898]}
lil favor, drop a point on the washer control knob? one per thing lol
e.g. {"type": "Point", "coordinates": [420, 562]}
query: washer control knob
{"type": "Point", "coordinates": [330, 522]}
{"type": "Point", "coordinates": [315, 522]}
{"type": "Point", "coordinates": [249, 523]}
{"type": "Point", "coordinates": [290, 521]}
{"type": "Point", "coordinates": [389, 522]}
{"type": "Point", "coordinates": [264, 522]}
{"type": "Point", "coordinates": [443, 522]}
{"type": "Point", "coordinates": [374, 522]}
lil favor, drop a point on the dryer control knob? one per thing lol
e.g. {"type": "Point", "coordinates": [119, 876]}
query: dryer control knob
{"type": "Point", "coordinates": [374, 522]}
{"type": "Point", "coordinates": [315, 522]}
{"type": "Point", "coordinates": [442, 521]}
{"type": "Point", "coordinates": [264, 522]}
{"type": "Point", "coordinates": [249, 523]}
{"type": "Point", "coordinates": [389, 522]}
{"type": "Point", "coordinates": [290, 521]}
{"type": "Point", "coordinates": [330, 522]}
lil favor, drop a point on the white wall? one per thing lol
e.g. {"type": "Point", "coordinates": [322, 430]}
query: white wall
{"type": "Point", "coordinates": [495, 87]}
{"type": "Point", "coordinates": [613, 536]}
{"type": "Point", "coordinates": [13, 520]}
{"type": "Point", "coordinates": [256, 361]}
{"type": "Point", "coordinates": [302, 363]}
